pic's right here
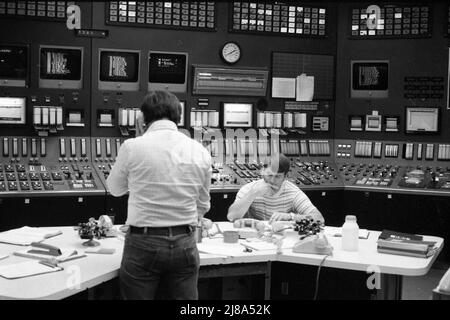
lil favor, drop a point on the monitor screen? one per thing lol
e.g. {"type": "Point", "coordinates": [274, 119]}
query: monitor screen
{"type": "Point", "coordinates": [237, 115]}
{"type": "Point", "coordinates": [167, 71]}
{"type": "Point", "coordinates": [369, 79]}
{"type": "Point", "coordinates": [119, 70]}
{"type": "Point", "coordinates": [12, 110]}
{"type": "Point", "coordinates": [13, 65]}
{"type": "Point", "coordinates": [422, 120]}
{"type": "Point", "coordinates": [61, 67]}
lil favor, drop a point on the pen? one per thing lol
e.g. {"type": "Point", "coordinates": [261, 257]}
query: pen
{"type": "Point", "coordinates": [247, 248]}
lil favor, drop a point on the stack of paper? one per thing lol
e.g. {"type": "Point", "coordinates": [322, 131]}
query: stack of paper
{"type": "Point", "coordinates": [26, 235]}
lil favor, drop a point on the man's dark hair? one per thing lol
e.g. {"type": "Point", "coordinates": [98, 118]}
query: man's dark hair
{"type": "Point", "coordinates": [158, 105]}
{"type": "Point", "coordinates": [280, 163]}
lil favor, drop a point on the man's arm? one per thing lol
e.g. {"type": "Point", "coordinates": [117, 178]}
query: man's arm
{"type": "Point", "coordinates": [304, 207]}
{"type": "Point", "coordinates": [204, 199]}
{"type": "Point", "coordinates": [117, 181]}
{"type": "Point", "coordinates": [245, 198]}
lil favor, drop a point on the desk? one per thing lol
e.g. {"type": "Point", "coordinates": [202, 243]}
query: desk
{"type": "Point", "coordinates": [81, 274]}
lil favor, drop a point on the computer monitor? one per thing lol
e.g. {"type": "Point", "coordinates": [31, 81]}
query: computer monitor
{"type": "Point", "coordinates": [422, 120]}
{"type": "Point", "coordinates": [369, 79]}
{"type": "Point", "coordinates": [119, 69]}
{"type": "Point", "coordinates": [12, 110]}
{"type": "Point", "coordinates": [61, 67]}
{"type": "Point", "coordinates": [167, 71]}
{"type": "Point", "coordinates": [237, 114]}
{"type": "Point", "coordinates": [13, 65]}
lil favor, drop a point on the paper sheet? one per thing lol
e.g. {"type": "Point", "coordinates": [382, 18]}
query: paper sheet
{"type": "Point", "coordinates": [283, 87]}
{"type": "Point", "coordinates": [304, 88]}
{"type": "Point", "coordinates": [26, 235]}
{"type": "Point", "coordinates": [25, 269]}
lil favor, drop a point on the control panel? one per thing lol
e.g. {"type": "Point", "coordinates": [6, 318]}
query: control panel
{"type": "Point", "coordinates": [47, 166]}
{"type": "Point", "coordinates": [104, 151]}
{"type": "Point", "coordinates": [415, 167]}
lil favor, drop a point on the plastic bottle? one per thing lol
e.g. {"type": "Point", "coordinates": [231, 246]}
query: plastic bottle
{"type": "Point", "coordinates": [350, 234]}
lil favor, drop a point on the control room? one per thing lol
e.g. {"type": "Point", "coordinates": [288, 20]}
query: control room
{"type": "Point", "coordinates": [212, 150]}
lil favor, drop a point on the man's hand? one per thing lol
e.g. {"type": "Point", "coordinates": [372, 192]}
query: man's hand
{"type": "Point", "coordinates": [280, 216]}
{"type": "Point", "coordinates": [140, 125]}
{"type": "Point", "coordinates": [261, 189]}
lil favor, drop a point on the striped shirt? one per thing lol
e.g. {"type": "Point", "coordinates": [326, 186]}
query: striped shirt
{"type": "Point", "coordinates": [167, 174]}
{"type": "Point", "coordinates": [288, 199]}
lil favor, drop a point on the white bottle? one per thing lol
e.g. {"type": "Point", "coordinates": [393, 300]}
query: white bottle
{"type": "Point", "coordinates": [350, 234]}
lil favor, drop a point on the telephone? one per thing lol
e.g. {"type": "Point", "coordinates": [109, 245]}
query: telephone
{"type": "Point", "coordinates": [249, 223]}
{"type": "Point", "coordinates": [248, 228]}
{"type": "Point", "coordinates": [444, 284]}
{"type": "Point", "coordinates": [317, 243]}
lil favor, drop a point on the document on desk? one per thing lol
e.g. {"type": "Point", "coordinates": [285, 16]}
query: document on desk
{"type": "Point", "coordinates": [258, 244]}
{"type": "Point", "coordinates": [26, 235]}
{"type": "Point", "coordinates": [220, 249]}
{"type": "Point", "coordinates": [26, 269]}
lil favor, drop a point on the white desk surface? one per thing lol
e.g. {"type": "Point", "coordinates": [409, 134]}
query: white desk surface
{"type": "Point", "coordinates": [98, 268]}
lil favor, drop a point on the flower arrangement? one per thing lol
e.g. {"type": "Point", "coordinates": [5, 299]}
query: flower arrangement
{"type": "Point", "coordinates": [94, 229]}
{"type": "Point", "coordinates": [308, 226]}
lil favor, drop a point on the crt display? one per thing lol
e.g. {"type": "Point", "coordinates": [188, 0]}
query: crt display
{"type": "Point", "coordinates": [422, 119]}
{"type": "Point", "coordinates": [13, 62]}
{"type": "Point", "coordinates": [119, 66]}
{"type": "Point", "coordinates": [60, 64]}
{"type": "Point", "coordinates": [167, 68]}
{"type": "Point", "coordinates": [12, 110]}
{"type": "Point", "coordinates": [370, 76]}
{"type": "Point", "coordinates": [237, 115]}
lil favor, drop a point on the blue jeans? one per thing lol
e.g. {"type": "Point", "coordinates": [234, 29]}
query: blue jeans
{"type": "Point", "coordinates": [151, 261]}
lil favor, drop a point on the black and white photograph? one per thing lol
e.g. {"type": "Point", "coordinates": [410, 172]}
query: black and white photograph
{"type": "Point", "coordinates": [225, 158]}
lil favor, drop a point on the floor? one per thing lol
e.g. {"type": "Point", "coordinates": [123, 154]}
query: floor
{"type": "Point", "coordinates": [421, 288]}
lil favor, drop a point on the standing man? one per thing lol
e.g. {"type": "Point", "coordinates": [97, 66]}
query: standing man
{"type": "Point", "coordinates": [273, 197]}
{"type": "Point", "coordinates": [168, 176]}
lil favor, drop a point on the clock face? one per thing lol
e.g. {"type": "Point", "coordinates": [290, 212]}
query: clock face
{"type": "Point", "coordinates": [231, 52]}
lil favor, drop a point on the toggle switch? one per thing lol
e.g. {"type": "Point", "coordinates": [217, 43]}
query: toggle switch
{"type": "Point", "coordinates": [33, 147]}
{"type": "Point", "coordinates": [15, 147]}
{"type": "Point", "coordinates": [24, 147]}
{"type": "Point", "coordinates": [5, 147]}
{"type": "Point", "coordinates": [108, 147]}
{"type": "Point", "coordinates": [43, 147]}
{"type": "Point", "coordinates": [73, 151]}
{"type": "Point", "coordinates": [98, 148]}
{"type": "Point", "coordinates": [62, 147]}
{"type": "Point", "coordinates": [83, 147]}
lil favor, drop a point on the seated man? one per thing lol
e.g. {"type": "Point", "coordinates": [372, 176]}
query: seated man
{"type": "Point", "coordinates": [273, 197]}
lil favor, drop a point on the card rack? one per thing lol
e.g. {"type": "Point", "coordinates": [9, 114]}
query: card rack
{"type": "Point", "coordinates": [43, 10]}
{"type": "Point", "coordinates": [278, 19]}
{"type": "Point", "coordinates": [395, 21]}
{"type": "Point", "coordinates": [191, 15]}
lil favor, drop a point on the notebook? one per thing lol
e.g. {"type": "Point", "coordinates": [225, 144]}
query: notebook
{"type": "Point", "coordinates": [26, 235]}
{"type": "Point", "coordinates": [26, 269]}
